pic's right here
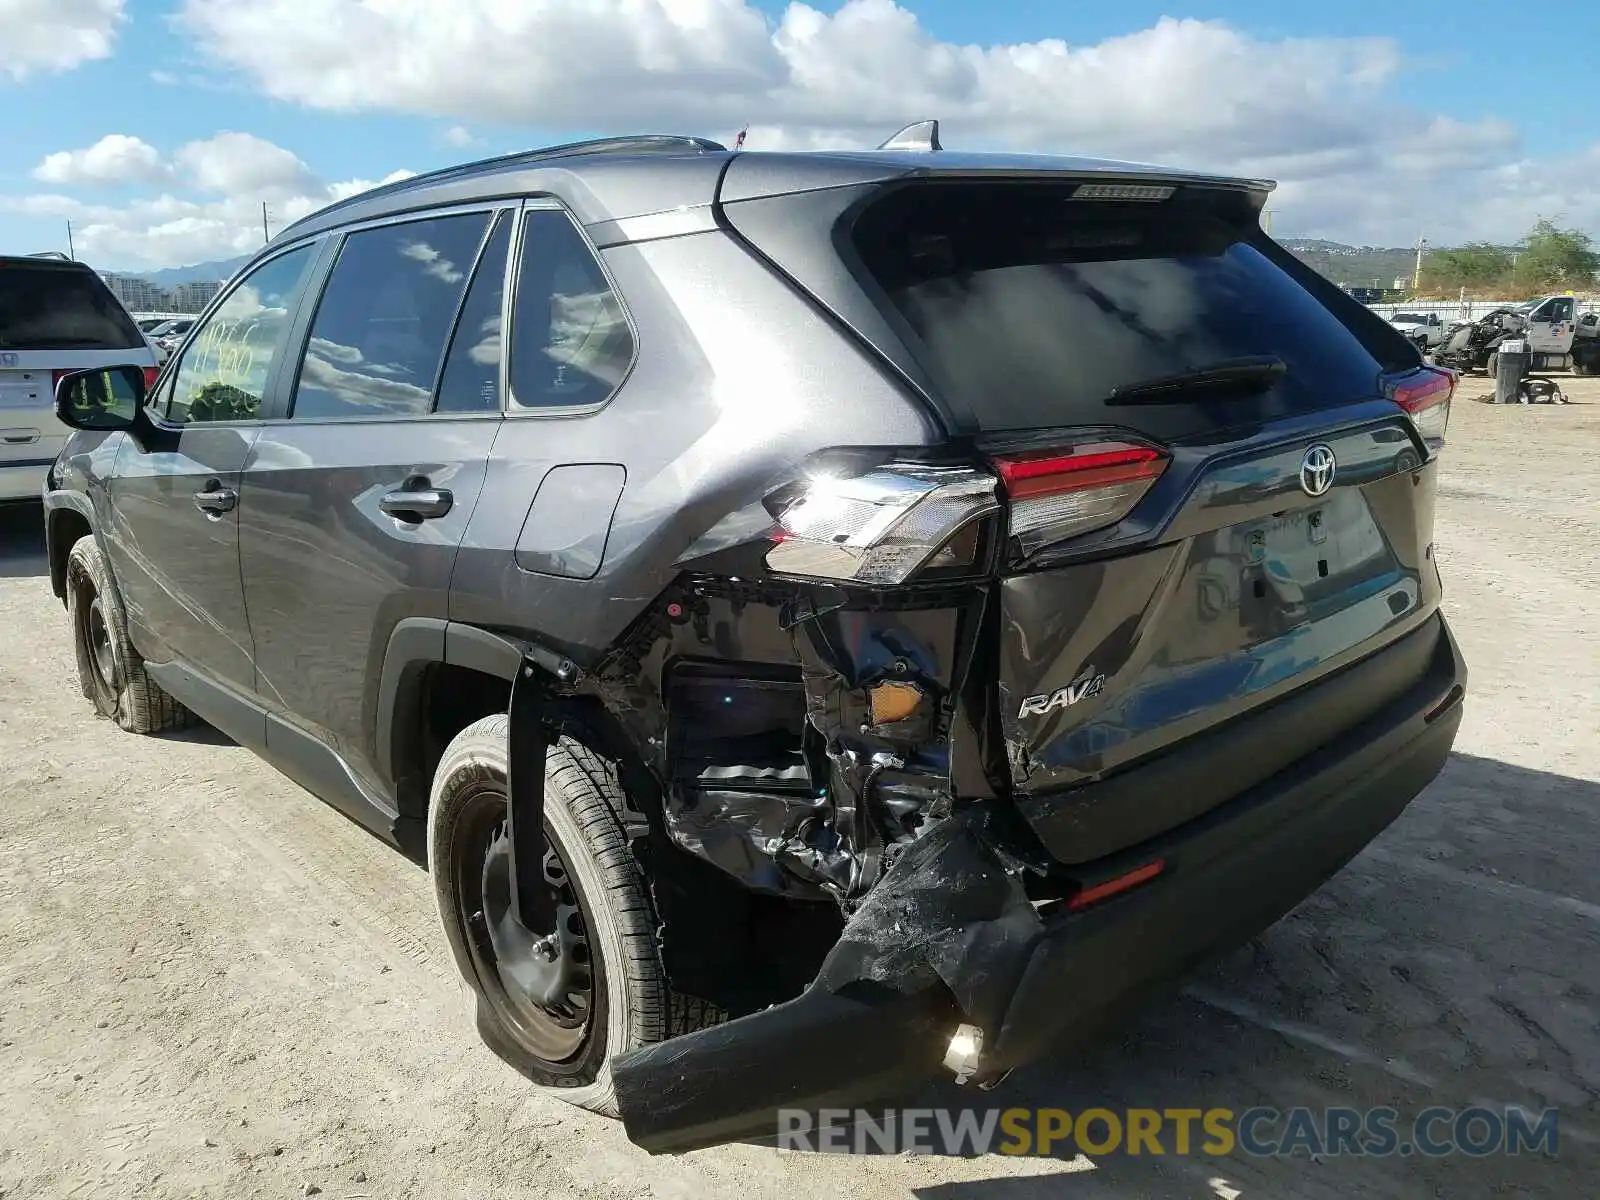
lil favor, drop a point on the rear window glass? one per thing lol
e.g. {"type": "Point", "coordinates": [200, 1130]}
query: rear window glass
{"type": "Point", "coordinates": [1031, 308]}
{"type": "Point", "coordinates": [52, 308]}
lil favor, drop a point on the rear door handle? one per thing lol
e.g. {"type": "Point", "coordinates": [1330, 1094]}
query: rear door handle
{"type": "Point", "coordinates": [420, 505]}
{"type": "Point", "coordinates": [216, 500]}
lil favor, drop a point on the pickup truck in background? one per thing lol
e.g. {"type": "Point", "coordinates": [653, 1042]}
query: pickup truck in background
{"type": "Point", "coordinates": [1425, 329]}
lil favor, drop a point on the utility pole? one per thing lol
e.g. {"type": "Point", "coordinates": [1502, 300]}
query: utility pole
{"type": "Point", "coordinates": [1416, 276]}
{"type": "Point", "coordinates": [71, 253]}
{"type": "Point", "coordinates": [265, 236]}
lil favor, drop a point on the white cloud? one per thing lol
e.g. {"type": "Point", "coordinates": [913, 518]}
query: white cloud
{"type": "Point", "coordinates": [460, 137]}
{"type": "Point", "coordinates": [233, 173]}
{"type": "Point", "coordinates": [55, 35]}
{"type": "Point", "coordinates": [115, 158]}
{"type": "Point", "coordinates": [243, 164]}
{"type": "Point", "coordinates": [1316, 113]}
{"type": "Point", "coordinates": [340, 191]}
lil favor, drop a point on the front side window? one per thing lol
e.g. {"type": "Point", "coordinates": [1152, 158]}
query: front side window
{"type": "Point", "coordinates": [225, 368]}
{"type": "Point", "coordinates": [571, 343]}
{"type": "Point", "coordinates": [381, 326]}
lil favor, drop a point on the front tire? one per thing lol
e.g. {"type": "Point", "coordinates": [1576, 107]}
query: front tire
{"type": "Point", "coordinates": [111, 672]}
{"type": "Point", "coordinates": [558, 1009]}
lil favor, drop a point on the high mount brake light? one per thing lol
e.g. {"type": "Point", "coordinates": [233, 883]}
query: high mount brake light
{"type": "Point", "coordinates": [881, 528]}
{"type": "Point", "coordinates": [1425, 395]}
{"type": "Point", "coordinates": [1122, 191]}
{"type": "Point", "coordinates": [1060, 494]}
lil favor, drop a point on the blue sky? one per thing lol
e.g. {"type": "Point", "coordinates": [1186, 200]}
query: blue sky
{"type": "Point", "coordinates": [1381, 120]}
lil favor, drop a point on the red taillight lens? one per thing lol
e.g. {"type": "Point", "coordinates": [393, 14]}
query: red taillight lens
{"type": "Point", "coordinates": [150, 374]}
{"type": "Point", "coordinates": [1425, 395]}
{"type": "Point", "coordinates": [1060, 494]}
{"type": "Point", "coordinates": [55, 378]}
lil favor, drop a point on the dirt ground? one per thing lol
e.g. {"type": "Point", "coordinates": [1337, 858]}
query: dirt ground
{"type": "Point", "coordinates": [213, 985]}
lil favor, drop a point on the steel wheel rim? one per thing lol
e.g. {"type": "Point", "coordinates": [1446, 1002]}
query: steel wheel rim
{"type": "Point", "coordinates": [97, 636]}
{"type": "Point", "coordinates": [546, 1003]}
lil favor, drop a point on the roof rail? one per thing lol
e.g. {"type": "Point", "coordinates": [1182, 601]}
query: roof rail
{"type": "Point", "coordinates": [920, 135]}
{"type": "Point", "coordinates": [643, 143]}
{"type": "Point", "coordinates": [56, 254]}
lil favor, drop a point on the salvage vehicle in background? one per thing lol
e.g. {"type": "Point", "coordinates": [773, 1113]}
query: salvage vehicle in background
{"type": "Point", "coordinates": [1550, 325]}
{"type": "Point", "coordinates": [1426, 330]}
{"type": "Point", "coordinates": [56, 316]}
{"type": "Point", "coordinates": [824, 618]}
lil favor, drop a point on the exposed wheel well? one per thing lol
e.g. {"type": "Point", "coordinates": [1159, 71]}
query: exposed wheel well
{"type": "Point", "coordinates": [738, 949]}
{"type": "Point", "coordinates": [452, 698]}
{"type": "Point", "coordinates": [66, 528]}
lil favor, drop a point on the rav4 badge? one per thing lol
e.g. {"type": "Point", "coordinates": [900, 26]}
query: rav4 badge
{"type": "Point", "coordinates": [1081, 688]}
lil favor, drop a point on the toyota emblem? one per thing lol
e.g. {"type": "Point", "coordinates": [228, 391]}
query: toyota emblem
{"type": "Point", "coordinates": [1317, 466]}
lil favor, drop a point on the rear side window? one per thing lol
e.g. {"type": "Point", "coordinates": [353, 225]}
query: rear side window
{"type": "Point", "coordinates": [471, 379]}
{"type": "Point", "coordinates": [571, 343]}
{"type": "Point", "coordinates": [1030, 308]}
{"type": "Point", "coordinates": [381, 326]}
{"type": "Point", "coordinates": [61, 308]}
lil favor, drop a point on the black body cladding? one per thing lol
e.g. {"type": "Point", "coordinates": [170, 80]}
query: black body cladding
{"type": "Point", "coordinates": [555, 434]}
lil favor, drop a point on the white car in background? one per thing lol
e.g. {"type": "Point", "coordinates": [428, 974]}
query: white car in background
{"type": "Point", "coordinates": [55, 316]}
{"type": "Point", "coordinates": [1427, 330]}
{"type": "Point", "coordinates": [165, 336]}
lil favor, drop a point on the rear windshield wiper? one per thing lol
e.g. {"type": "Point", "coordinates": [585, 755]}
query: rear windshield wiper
{"type": "Point", "coordinates": [1254, 373]}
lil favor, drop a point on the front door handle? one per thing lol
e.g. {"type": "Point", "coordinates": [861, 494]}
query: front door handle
{"type": "Point", "coordinates": [420, 505]}
{"type": "Point", "coordinates": [216, 499]}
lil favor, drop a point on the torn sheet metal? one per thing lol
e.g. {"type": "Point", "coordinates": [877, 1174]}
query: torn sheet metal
{"type": "Point", "coordinates": [770, 841]}
{"type": "Point", "coordinates": [951, 909]}
{"type": "Point", "coordinates": [943, 939]}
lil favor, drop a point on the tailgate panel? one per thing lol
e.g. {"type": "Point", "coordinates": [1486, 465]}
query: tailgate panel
{"type": "Point", "coordinates": [29, 430]}
{"type": "Point", "coordinates": [1257, 590]}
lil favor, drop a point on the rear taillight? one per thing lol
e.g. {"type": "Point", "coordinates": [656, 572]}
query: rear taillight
{"type": "Point", "coordinates": [1060, 494]}
{"type": "Point", "coordinates": [55, 379]}
{"type": "Point", "coordinates": [881, 528]}
{"type": "Point", "coordinates": [150, 374]}
{"type": "Point", "coordinates": [1425, 395]}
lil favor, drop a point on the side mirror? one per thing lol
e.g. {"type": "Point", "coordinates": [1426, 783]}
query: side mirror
{"type": "Point", "coordinates": [104, 398]}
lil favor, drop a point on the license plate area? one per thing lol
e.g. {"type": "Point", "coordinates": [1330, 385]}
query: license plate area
{"type": "Point", "coordinates": [1313, 549]}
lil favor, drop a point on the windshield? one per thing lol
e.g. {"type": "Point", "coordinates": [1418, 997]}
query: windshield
{"type": "Point", "coordinates": [1032, 309]}
{"type": "Point", "coordinates": [46, 307]}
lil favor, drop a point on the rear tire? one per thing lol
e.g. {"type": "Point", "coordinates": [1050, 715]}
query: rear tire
{"type": "Point", "coordinates": [111, 672]}
{"type": "Point", "coordinates": [1491, 365]}
{"type": "Point", "coordinates": [603, 919]}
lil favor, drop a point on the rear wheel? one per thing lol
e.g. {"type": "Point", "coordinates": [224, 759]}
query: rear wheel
{"type": "Point", "coordinates": [559, 1001]}
{"type": "Point", "coordinates": [111, 672]}
{"type": "Point", "coordinates": [1491, 364]}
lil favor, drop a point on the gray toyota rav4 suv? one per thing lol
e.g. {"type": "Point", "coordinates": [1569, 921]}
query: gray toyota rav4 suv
{"type": "Point", "coordinates": [825, 620]}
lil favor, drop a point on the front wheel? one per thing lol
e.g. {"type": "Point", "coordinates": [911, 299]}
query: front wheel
{"type": "Point", "coordinates": [583, 981]}
{"type": "Point", "coordinates": [111, 672]}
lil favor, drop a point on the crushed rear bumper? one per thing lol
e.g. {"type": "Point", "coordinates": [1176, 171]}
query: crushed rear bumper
{"type": "Point", "coordinates": [948, 936]}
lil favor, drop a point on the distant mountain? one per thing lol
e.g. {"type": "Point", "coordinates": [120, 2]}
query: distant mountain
{"type": "Point", "coordinates": [1313, 245]}
{"type": "Point", "coordinates": [1360, 266]}
{"type": "Point", "coordinates": [219, 272]}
